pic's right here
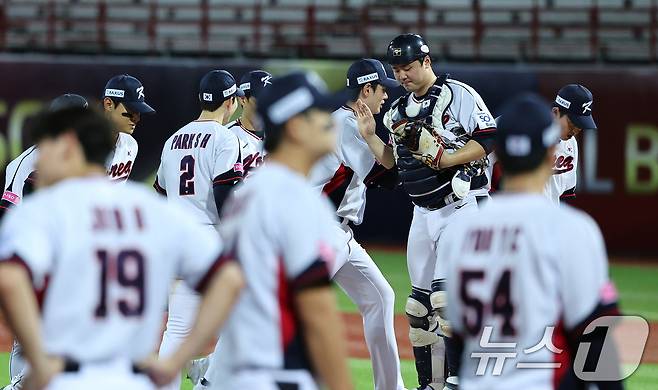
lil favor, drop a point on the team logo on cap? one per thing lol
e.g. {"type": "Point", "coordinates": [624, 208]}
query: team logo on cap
{"type": "Point", "coordinates": [207, 97]}
{"type": "Point", "coordinates": [397, 52]}
{"type": "Point", "coordinates": [266, 80]}
{"type": "Point", "coordinates": [140, 92]}
{"type": "Point", "coordinates": [425, 49]}
{"type": "Point", "coordinates": [245, 86]}
{"type": "Point", "coordinates": [587, 107]}
{"type": "Point", "coordinates": [230, 91]}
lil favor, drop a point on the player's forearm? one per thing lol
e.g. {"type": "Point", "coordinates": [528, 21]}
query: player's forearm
{"type": "Point", "coordinates": [218, 300]}
{"type": "Point", "coordinates": [470, 152]}
{"type": "Point", "coordinates": [382, 152]}
{"type": "Point", "coordinates": [21, 312]}
{"type": "Point", "coordinates": [324, 337]}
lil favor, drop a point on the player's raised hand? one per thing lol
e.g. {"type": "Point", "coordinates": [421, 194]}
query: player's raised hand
{"type": "Point", "coordinates": [41, 374]}
{"type": "Point", "coordinates": [364, 119]}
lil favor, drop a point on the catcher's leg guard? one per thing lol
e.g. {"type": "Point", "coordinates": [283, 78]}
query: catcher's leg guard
{"type": "Point", "coordinates": [421, 333]}
{"type": "Point", "coordinates": [438, 301]}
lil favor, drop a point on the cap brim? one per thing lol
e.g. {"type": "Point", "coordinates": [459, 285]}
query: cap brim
{"type": "Point", "coordinates": [239, 93]}
{"type": "Point", "coordinates": [332, 102]}
{"type": "Point", "coordinates": [140, 107]}
{"type": "Point", "coordinates": [390, 83]}
{"type": "Point", "coordinates": [583, 122]}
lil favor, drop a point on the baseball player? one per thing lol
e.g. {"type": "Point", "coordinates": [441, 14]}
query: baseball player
{"type": "Point", "coordinates": [123, 103]}
{"type": "Point", "coordinates": [253, 152]}
{"type": "Point", "coordinates": [342, 175]}
{"type": "Point", "coordinates": [100, 258]}
{"type": "Point", "coordinates": [285, 332]}
{"type": "Point", "coordinates": [21, 172]}
{"type": "Point", "coordinates": [441, 133]}
{"type": "Point", "coordinates": [573, 111]}
{"type": "Point", "coordinates": [200, 165]}
{"type": "Point", "coordinates": [517, 282]}
{"type": "Point", "coordinates": [20, 175]}
{"type": "Point", "coordinates": [251, 84]}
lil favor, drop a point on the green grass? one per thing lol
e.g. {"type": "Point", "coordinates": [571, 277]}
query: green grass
{"type": "Point", "coordinates": [638, 295]}
{"type": "Point", "coordinates": [638, 289]}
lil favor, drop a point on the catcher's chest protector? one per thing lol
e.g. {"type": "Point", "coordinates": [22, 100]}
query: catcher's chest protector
{"type": "Point", "coordinates": [426, 186]}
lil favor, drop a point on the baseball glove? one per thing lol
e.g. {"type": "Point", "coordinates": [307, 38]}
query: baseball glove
{"type": "Point", "coordinates": [421, 140]}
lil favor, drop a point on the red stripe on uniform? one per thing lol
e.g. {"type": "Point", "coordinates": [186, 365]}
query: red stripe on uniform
{"type": "Point", "coordinates": [341, 175]}
{"type": "Point", "coordinates": [286, 312]}
{"type": "Point", "coordinates": [564, 358]}
{"type": "Point", "coordinates": [214, 268]}
{"type": "Point", "coordinates": [39, 293]}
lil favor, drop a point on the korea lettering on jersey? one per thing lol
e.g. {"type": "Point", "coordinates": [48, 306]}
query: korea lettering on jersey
{"type": "Point", "coordinates": [562, 184]}
{"type": "Point", "coordinates": [123, 158]}
{"type": "Point", "coordinates": [279, 230]}
{"type": "Point", "coordinates": [350, 164]}
{"type": "Point", "coordinates": [102, 258]}
{"type": "Point", "coordinates": [511, 279]}
{"type": "Point", "coordinates": [252, 146]}
{"type": "Point", "coordinates": [196, 157]}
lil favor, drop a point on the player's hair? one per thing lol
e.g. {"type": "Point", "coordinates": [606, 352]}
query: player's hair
{"type": "Point", "coordinates": [561, 109]}
{"type": "Point", "coordinates": [93, 131]}
{"type": "Point", "coordinates": [212, 106]}
{"type": "Point", "coordinates": [357, 91]}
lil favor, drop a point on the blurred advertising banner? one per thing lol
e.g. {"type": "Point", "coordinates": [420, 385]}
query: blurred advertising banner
{"type": "Point", "coordinates": [618, 166]}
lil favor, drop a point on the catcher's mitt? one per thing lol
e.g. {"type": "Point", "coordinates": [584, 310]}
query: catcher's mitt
{"type": "Point", "coordinates": [421, 140]}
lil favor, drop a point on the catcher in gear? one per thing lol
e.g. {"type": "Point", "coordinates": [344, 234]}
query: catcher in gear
{"type": "Point", "coordinates": [441, 132]}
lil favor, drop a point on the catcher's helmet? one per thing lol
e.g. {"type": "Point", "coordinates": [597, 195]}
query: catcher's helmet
{"type": "Point", "coordinates": [406, 48]}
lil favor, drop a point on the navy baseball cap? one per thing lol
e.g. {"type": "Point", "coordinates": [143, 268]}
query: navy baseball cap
{"type": "Point", "coordinates": [368, 70]}
{"type": "Point", "coordinates": [525, 131]}
{"type": "Point", "coordinates": [129, 91]}
{"type": "Point", "coordinates": [293, 94]}
{"type": "Point", "coordinates": [576, 101]}
{"type": "Point", "coordinates": [68, 100]}
{"type": "Point", "coordinates": [217, 86]}
{"type": "Point", "coordinates": [253, 82]}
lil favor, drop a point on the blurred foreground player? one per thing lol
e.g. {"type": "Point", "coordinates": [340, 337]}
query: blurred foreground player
{"type": "Point", "coordinates": [101, 258]}
{"type": "Point", "coordinates": [514, 279]}
{"type": "Point", "coordinates": [285, 332]}
{"type": "Point", "coordinates": [20, 181]}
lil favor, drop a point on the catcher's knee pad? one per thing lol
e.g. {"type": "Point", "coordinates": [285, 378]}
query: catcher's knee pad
{"type": "Point", "coordinates": [419, 313]}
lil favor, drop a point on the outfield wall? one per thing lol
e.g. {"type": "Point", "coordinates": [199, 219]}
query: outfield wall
{"type": "Point", "coordinates": [618, 169]}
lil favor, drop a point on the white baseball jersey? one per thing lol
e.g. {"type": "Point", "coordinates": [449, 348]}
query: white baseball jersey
{"type": "Point", "coordinates": [20, 177]}
{"type": "Point", "coordinates": [516, 276]}
{"type": "Point", "coordinates": [201, 154]}
{"type": "Point", "coordinates": [351, 162]}
{"type": "Point", "coordinates": [122, 158]}
{"type": "Point", "coordinates": [563, 182]}
{"type": "Point", "coordinates": [279, 230]}
{"type": "Point", "coordinates": [458, 116]}
{"type": "Point", "coordinates": [103, 257]}
{"type": "Point", "coordinates": [252, 146]}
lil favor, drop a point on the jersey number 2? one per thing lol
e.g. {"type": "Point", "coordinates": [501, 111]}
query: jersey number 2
{"type": "Point", "coordinates": [501, 304]}
{"type": "Point", "coordinates": [187, 175]}
{"type": "Point", "coordinates": [127, 269]}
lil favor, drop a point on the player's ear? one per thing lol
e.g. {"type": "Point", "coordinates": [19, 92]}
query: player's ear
{"type": "Point", "coordinates": [427, 62]}
{"type": "Point", "coordinates": [108, 104]}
